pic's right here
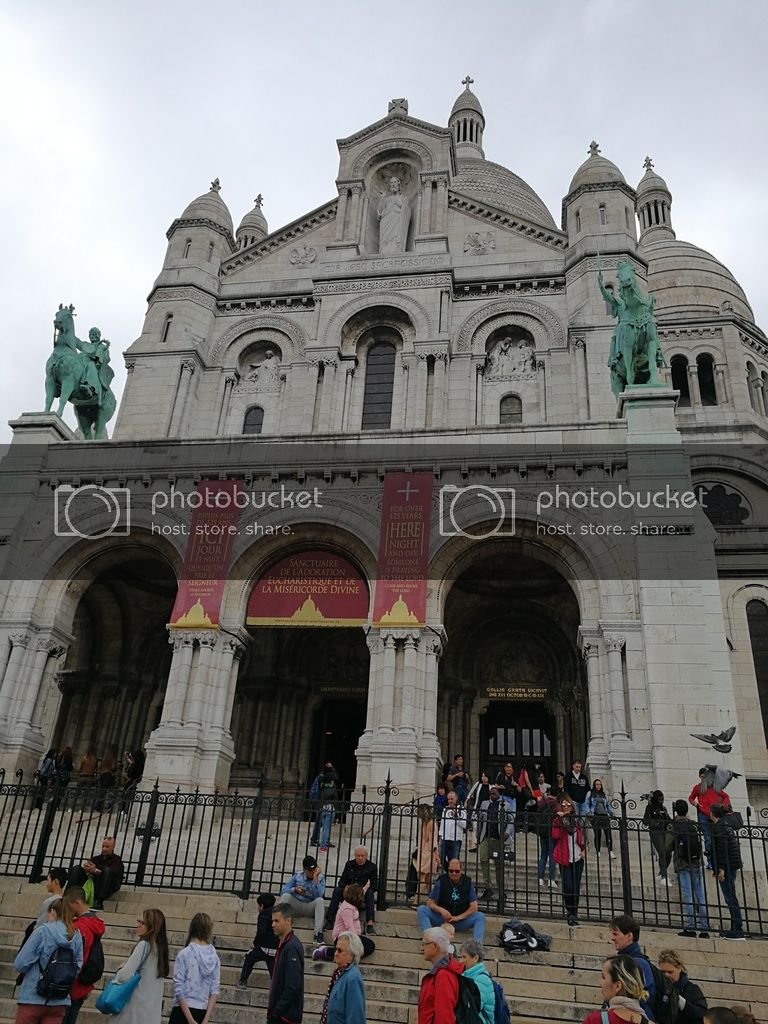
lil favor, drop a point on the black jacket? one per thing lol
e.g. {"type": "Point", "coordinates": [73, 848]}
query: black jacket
{"type": "Point", "coordinates": [286, 991]}
{"type": "Point", "coordinates": [695, 1003]}
{"type": "Point", "coordinates": [265, 937]}
{"type": "Point", "coordinates": [448, 891]}
{"type": "Point", "coordinates": [577, 789]}
{"type": "Point", "coordinates": [725, 847]}
{"type": "Point", "coordinates": [359, 874]}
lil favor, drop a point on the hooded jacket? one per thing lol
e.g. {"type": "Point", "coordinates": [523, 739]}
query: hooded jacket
{"type": "Point", "coordinates": [37, 951]}
{"type": "Point", "coordinates": [89, 925]}
{"type": "Point", "coordinates": [439, 992]}
{"type": "Point", "coordinates": [196, 974]}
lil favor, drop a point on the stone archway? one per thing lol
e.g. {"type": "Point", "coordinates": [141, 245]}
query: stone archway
{"type": "Point", "coordinates": [512, 684]}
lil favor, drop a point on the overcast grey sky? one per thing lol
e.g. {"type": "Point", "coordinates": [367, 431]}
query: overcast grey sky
{"type": "Point", "coordinates": [114, 116]}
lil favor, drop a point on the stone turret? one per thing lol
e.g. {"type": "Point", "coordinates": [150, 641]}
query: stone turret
{"type": "Point", "coordinates": [467, 123]}
{"type": "Point", "coordinates": [253, 226]}
{"type": "Point", "coordinates": [653, 206]}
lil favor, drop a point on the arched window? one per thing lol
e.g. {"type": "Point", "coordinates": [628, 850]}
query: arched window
{"type": "Point", "coordinates": [379, 386]}
{"type": "Point", "coordinates": [603, 213]}
{"type": "Point", "coordinates": [578, 220]}
{"type": "Point", "coordinates": [166, 328]}
{"type": "Point", "coordinates": [705, 369]}
{"type": "Point", "coordinates": [626, 216]}
{"type": "Point", "coordinates": [210, 251]}
{"type": "Point", "coordinates": [254, 420]}
{"type": "Point", "coordinates": [187, 247]}
{"type": "Point", "coordinates": [752, 385]}
{"type": "Point", "coordinates": [608, 307]}
{"type": "Point", "coordinates": [679, 366]}
{"type": "Point", "coordinates": [757, 622]}
{"type": "Point", "coordinates": [510, 410]}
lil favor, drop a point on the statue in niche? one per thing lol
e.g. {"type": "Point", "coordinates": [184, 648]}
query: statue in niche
{"type": "Point", "coordinates": [394, 212]}
{"type": "Point", "coordinates": [266, 373]}
{"type": "Point", "coordinates": [508, 359]}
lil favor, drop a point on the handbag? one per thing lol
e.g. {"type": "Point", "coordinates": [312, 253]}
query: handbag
{"type": "Point", "coordinates": [115, 996]}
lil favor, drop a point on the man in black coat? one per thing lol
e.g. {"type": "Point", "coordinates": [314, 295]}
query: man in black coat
{"type": "Point", "coordinates": [726, 864]}
{"type": "Point", "coordinates": [105, 870]}
{"type": "Point", "coordinates": [286, 991]}
{"type": "Point", "coordinates": [359, 871]}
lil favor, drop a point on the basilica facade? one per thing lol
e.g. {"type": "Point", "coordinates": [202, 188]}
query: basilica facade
{"type": "Point", "coordinates": [429, 330]}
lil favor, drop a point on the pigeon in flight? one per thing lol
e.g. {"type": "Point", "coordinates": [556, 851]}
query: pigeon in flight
{"type": "Point", "coordinates": [717, 740]}
{"type": "Point", "coordinates": [718, 777]}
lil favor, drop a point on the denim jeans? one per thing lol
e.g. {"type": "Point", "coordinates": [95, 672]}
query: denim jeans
{"type": "Point", "coordinates": [546, 853]}
{"type": "Point", "coordinates": [706, 831]}
{"type": "Point", "coordinates": [571, 875]}
{"type": "Point", "coordinates": [728, 889]}
{"type": "Point", "coordinates": [326, 820]}
{"type": "Point", "coordinates": [449, 849]}
{"type": "Point", "coordinates": [431, 919]}
{"type": "Point", "coordinates": [692, 892]}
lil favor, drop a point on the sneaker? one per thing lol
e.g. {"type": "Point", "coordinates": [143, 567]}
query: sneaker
{"type": "Point", "coordinates": [597, 853]}
{"type": "Point", "coordinates": [242, 984]}
{"type": "Point", "coordinates": [736, 936]}
{"type": "Point", "coordinates": [612, 855]}
{"type": "Point", "coordinates": [314, 842]}
{"type": "Point", "coordinates": [319, 953]}
{"type": "Point", "coordinates": [575, 922]}
{"type": "Point", "coordinates": [318, 937]}
{"type": "Point", "coordinates": [542, 883]}
{"type": "Point", "coordinates": [323, 849]}
{"type": "Point", "coordinates": [703, 935]}
{"type": "Point", "coordinates": [687, 933]}
{"type": "Point", "coordinates": [553, 883]}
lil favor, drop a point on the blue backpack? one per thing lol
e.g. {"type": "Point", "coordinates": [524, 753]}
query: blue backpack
{"type": "Point", "coordinates": [501, 1013]}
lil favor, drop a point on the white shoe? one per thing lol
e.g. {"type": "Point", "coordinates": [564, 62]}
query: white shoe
{"type": "Point", "coordinates": [612, 855]}
{"type": "Point", "coordinates": [542, 883]}
{"type": "Point", "coordinates": [552, 883]}
{"type": "Point", "coordinates": [597, 853]}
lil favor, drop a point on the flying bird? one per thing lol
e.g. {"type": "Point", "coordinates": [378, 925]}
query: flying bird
{"type": "Point", "coordinates": [713, 739]}
{"type": "Point", "coordinates": [718, 777]}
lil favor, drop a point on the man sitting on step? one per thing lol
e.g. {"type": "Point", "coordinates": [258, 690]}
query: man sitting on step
{"type": "Point", "coordinates": [303, 893]}
{"type": "Point", "coordinates": [105, 870]}
{"type": "Point", "coordinates": [453, 900]}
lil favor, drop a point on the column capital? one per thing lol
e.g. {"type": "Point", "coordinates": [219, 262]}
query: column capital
{"type": "Point", "coordinates": [189, 366]}
{"type": "Point", "coordinates": [50, 646]}
{"type": "Point", "coordinates": [20, 638]}
{"type": "Point", "coordinates": [614, 642]}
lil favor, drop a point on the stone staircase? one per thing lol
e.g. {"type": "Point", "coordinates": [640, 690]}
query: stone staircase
{"type": "Point", "coordinates": [562, 985]}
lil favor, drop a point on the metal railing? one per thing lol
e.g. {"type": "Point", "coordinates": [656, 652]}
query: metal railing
{"type": "Point", "coordinates": [246, 844]}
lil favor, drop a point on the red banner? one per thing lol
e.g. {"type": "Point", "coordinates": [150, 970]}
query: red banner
{"type": "Point", "coordinates": [212, 533]}
{"type": "Point", "coordinates": [401, 586]}
{"type": "Point", "coordinates": [310, 588]}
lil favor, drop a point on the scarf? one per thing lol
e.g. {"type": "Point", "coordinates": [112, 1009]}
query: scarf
{"type": "Point", "coordinates": [334, 978]}
{"type": "Point", "coordinates": [625, 1003]}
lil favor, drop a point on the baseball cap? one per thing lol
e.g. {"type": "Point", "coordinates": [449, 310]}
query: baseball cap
{"type": "Point", "coordinates": [309, 863]}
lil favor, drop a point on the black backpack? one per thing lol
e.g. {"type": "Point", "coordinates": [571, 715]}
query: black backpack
{"type": "Point", "coordinates": [468, 1006]}
{"type": "Point", "coordinates": [57, 976]}
{"type": "Point", "coordinates": [689, 846]}
{"type": "Point", "coordinates": [665, 1004]}
{"type": "Point", "coordinates": [93, 968]}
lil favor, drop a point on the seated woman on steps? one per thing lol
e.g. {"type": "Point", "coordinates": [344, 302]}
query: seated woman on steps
{"type": "Point", "coordinates": [347, 920]}
{"type": "Point", "coordinates": [621, 987]}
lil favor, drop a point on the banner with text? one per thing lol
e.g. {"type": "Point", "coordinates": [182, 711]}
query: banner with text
{"type": "Point", "coordinates": [212, 532]}
{"type": "Point", "coordinates": [310, 588]}
{"type": "Point", "coordinates": [401, 585]}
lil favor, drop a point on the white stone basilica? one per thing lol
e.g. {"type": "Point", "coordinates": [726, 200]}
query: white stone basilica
{"type": "Point", "coordinates": [430, 317]}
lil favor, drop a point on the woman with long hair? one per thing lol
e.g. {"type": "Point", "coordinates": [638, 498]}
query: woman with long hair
{"type": "Point", "coordinates": [599, 809]}
{"type": "Point", "coordinates": [32, 959]}
{"type": "Point", "coordinates": [621, 986]}
{"type": "Point", "coordinates": [196, 975]}
{"type": "Point", "coordinates": [150, 956]}
{"type": "Point", "coordinates": [569, 855]}
{"type": "Point", "coordinates": [479, 792]}
{"type": "Point", "coordinates": [427, 854]}
{"type": "Point", "coordinates": [692, 1003]}
{"type": "Point", "coordinates": [348, 920]}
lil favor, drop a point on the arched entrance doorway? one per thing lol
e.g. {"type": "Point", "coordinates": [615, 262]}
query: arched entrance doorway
{"type": "Point", "coordinates": [114, 678]}
{"type": "Point", "coordinates": [302, 688]}
{"type": "Point", "coordinates": [512, 685]}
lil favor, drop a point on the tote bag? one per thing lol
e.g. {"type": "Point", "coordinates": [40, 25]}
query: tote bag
{"type": "Point", "coordinates": [115, 997]}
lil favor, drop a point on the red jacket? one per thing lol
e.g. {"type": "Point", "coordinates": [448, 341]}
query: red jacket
{"type": "Point", "coordinates": [439, 993]}
{"type": "Point", "coordinates": [706, 801]}
{"type": "Point", "coordinates": [88, 925]}
{"type": "Point", "coordinates": [561, 851]}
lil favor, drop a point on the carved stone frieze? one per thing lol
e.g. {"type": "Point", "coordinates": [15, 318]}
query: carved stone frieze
{"type": "Point", "coordinates": [189, 366]}
{"type": "Point", "coordinates": [190, 294]}
{"type": "Point", "coordinates": [605, 263]}
{"type": "Point", "coordinates": [479, 243]}
{"type": "Point", "coordinates": [281, 324]}
{"type": "Point", "coordinates": [479, 325]}
{"type": "Point", "coordinates": [20, 639]}
{"type": "Point", "coordinates": [369, 155]}
{"type": "Point", "coordinates": [302, 257]}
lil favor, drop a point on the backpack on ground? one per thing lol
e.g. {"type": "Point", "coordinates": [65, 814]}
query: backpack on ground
{"type": "Point", "coordinates": [501, 1014]}
{"type": "Point", "coordinates": [468, 1006]}
{"type": "Point", "coordinates": [93, 968]}
{"type": "Point", "coordinates": [57, 976]}
{"type": "Point", "coordinates": [518, 937]}
{"type": "Point", "coordinates": [665, 1004]}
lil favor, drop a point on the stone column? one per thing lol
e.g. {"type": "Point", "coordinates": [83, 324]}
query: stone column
{"type": "Point", "coordinates": [232, 651]}
{"type": "Point", "coordinates": [341, 213]}
{"type": "Point", "coordinates": [721, 385]}
{"type": "Point", "coordinates": [614, 645]}
{"type": "Point", "coordinates": [541, 370]}
{"type": "Point", "coordinates": [597, 748]}
{"type": "Point", "coordinates": [693, 385]}
{"type": "Point", "coordinates": [426, 205]}
{"type": "Point", "coordinates": [328, 399]}
{"type": "Point", "coordinates": [229, 384]}
{"type": "Point", "coordinates": [20, 641]}
{"type": "Point", "coordinates": [354, 217]}
{"type": "Point", "coordinates": [197, 715]}
{"type": "Point", "coordinates": [349, 383]}
{"type": "Point", "coordinates": [582, 385]}
{"type": "Point", "coordinates": [418, 402]}
{"type": "Point", "coordinates": [355, 417]}
{"type": "Point", "coordinates": [439, 397]}
{"type": "Point", "coordinates": [408, 684]}
{"type": "Point", "coordinates": [45, 649]}
{"type": "Point", "coordinates": [178, 677]}
{"type": "Point", "coordinates": [313, 380]}
{"type": "Point", "coordinates": [479, 371]}
{"type": "Point", "coordinates": [440, 216]}
{"type": "Point", "coordinates": [188, 367]}
{"type": "Point", "coordinates": [385, 715]}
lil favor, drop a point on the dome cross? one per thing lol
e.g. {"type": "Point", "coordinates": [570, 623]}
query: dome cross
{"type": "Point", "coordinates": [648, 163]}
{"type": "Point", "coordinates": [467, 81]}
{"type": "Point", "coordinates": [594, 149]}
{"type": "Point", "coordinates": [259, 200]}
{"type": "Point", "coordinates": [215, 185]}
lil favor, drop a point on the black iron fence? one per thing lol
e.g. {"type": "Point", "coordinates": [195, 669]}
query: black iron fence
{"type": "Point", "coordinates": [246, 844]}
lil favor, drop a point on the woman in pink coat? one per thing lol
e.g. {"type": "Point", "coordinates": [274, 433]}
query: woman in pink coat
{"type": "Point", "coordinates": [347, 920]}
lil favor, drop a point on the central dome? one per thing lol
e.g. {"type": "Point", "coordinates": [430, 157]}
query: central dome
{"type": "Point", "coordinates": [493, 184]}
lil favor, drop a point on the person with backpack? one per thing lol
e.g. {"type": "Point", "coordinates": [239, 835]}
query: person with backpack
{"type": "Point", "coordinates": [691, 1000]}
{"type": "Point", "coordinates": [658, 822]}
{"type": "Point", "coordinates": [621, 986]}
{"type": "Point", "coordinates": [150, 957]}
{"type": "Point", "coordinates": [92, 928]}
{"type": "Point", "coordinates": [49, 961]}
{"type": "Point", "coordinates": [726, 864]}
{"type": "Point", "coordinates": [472, 957]}
{"type": "Point", "coordinates": [688, 863]}
{"type": "Point", "coordinates": [439, 991]}
{"type": "Point", "coordinates": [657, 1005]}
{"type": "Point", "coordinates": [316, 802]}
{"type": "Point", "coordinates": [328, 797]}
